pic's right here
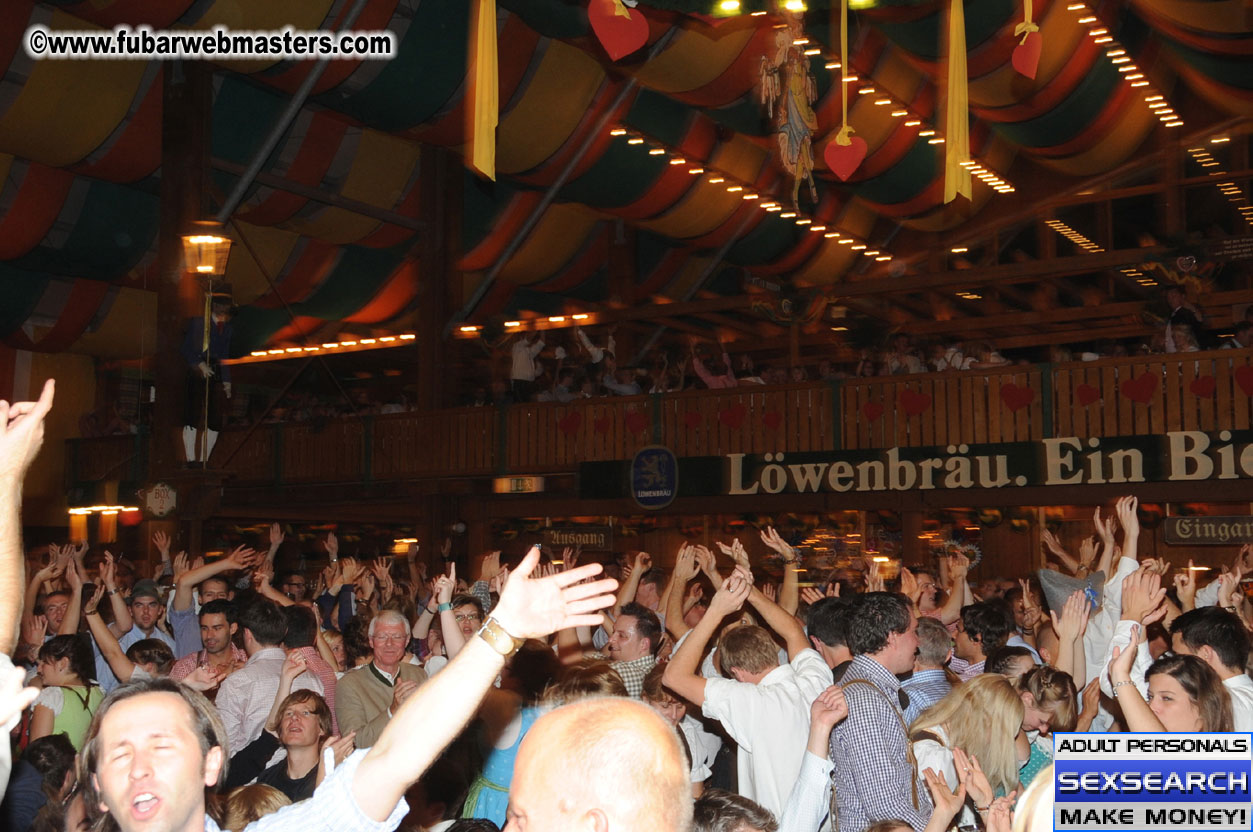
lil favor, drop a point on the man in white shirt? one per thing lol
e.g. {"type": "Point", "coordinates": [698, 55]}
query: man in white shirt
{"type": "Point", "coordinates": [765, 706]}
{"type": "Point", "coordinates": [522, 373]}
{"type": "Point", "coordinates": [245, 697]}
{"type": "Point", "coordinates": [1218, 637]}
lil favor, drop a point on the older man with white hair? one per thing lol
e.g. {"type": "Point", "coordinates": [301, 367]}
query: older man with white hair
{"type": "Point", "coordinates": [600, 764]}
{"type": "Point", "coordinates": [366, 698]}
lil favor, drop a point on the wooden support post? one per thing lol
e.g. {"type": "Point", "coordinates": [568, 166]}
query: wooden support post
{"type": "Point", "coordinates": [439, 247]}
{"type": "Point", "coordinates": [912, 551]}
{"type": "Point", "coordinates": [184, 154]}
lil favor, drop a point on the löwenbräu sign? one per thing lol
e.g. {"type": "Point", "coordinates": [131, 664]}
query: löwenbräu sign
{"type": "Point", "coordinates": [1177, 456]}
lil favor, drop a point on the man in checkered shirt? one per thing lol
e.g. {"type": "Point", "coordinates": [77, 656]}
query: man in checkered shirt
{"type": "Point", "coordinates": [873, 775]}
{"type": "Point", "coordinates": [633, 645]}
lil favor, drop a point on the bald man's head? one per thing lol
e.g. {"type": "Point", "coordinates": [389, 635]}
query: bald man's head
{"type": "Point", "coordinates": [600, 765]}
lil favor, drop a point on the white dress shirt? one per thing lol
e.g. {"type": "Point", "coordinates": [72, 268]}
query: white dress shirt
{"type": "Point", "coordinates": [1241, 690]}
{"type": "Point", "coordinates": [770, 722]}
{"type": "Point", "coordinates": [246, 696]}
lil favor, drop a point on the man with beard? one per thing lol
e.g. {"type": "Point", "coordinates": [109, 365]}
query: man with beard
{"type": "Point", "coordinates": [217, 626]}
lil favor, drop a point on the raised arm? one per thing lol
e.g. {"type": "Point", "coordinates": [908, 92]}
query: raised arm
{"type": "Point", "coordinates": [682, 674]}
{"type": "Point", "coordinates": [1136, 712]}
{"type": "Point", "coordinates": [528, 608]}
{"type": "Point", "coordinates": [684, 571]}
{"type": "Point", "coordinates": [1129, 519]}
{"type": "Point", "coordinates": [241, 557]}
{"type": "Point", "coordinates": [789, 592]}
{"type": "Point", "coordinates": [958, 564]}
{"type": "Point", "coordinates": [276, 540]}
{"type": "Point", "coordinates": [74, 609]}
{"type": "Point", "coordinates": [107, 643]}
{"type": "Point", "coordinates": [626, 593]}
{"type": "Point", "coordinates": [21, 435]}
{"type": "Point", "coordinates": [122, 621]}
{"type": "Point", "coordinates": [448, 627]}
{"type": "Point", "coordinates": [779, 620]}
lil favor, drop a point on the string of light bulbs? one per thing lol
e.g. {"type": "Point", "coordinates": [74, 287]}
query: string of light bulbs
{"type": "Point", "coordinates": [1131, 73]}
{"type": "Point", "coordinates": [1228, 188]}
{"type": "Point", "coordinates": [747, 192]}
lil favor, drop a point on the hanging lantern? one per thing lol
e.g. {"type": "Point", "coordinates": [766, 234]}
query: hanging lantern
{"type": "Point", "coordinates": [206, 249]}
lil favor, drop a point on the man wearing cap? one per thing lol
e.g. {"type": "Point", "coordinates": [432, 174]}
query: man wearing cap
{"type": "Point", "coordinates": [208, 379]}
{"type": "Point", "coordinates": [145, 605]}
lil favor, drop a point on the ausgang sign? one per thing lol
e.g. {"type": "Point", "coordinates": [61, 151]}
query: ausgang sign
{"type": "Point", "coordinates": [1207, 531]}
{"type": "Point", "coordinates": [1177, 456]}
{"type": "Point", "coordinates": [593, 538]}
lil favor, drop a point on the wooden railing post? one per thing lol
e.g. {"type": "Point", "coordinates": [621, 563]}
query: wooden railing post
{"type": "Point", "coordinates": [1046, 401]}
{"type": "Point", "coordinates": [836, 391]}
{"type": "Point", "coordinates": [502, 438]}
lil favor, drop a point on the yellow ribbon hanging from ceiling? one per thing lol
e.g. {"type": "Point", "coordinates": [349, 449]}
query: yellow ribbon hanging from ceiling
{"type": "Point", "coordinates": [1027, 26]}
{"type": "Point", "coordinates": [842, 137]}
{"type": "Point", "coordinates": [956, 115]}
{"type": "Point", "coordinates": [485, 107]}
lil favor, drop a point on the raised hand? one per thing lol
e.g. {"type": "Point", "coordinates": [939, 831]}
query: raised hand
{"type": "Point", "coordinates": [947, 802]}
{"type": "Point", "coordinates": [1142, 597]}
{"type": "Point", "coordinates": [242, 557]}
{"type": "Point", "coordinates": [684, 565]}
{"type": "Point", "coordinates": [643, 562]}
{"type": "Point", "coordinates": [1087, 553]}
{"type": "Point", "coordinates": [497, 583]}
{"type": "Point", "coordinates": [971, 775]}
{"type": "Point", "coordinates": [93, 603]}
{"type": "Point", "coordinates": [731, 596]}
{"type": "Point", "coordinates": [491, 566]}
{"type": "Point", "coordinates": [828, 709]}
{"type": "Point", "coordinates": [771, 591]}
{"type": "Point", "coordinates": [770, 537]}
{"type": "Point", "coordinates": [810, 595]}
{"type": "Point", "coordinates": [108, 571]}
{"type": "Point", "coordinates": [293, 666]}
{"type": "Point", "coordinates": [1228, 583]}
{"type": "Point", "coordinates": [445, 584]}
{"type": "Point", "coordinates": [204, 677]}
{"type": "Point", "coordinates": [1074, 618]}
{"type": "Point", "coordinates": [332, 546]}
{"type": "Point", "coordinates": [341, 747]}
{"type": "Point", "coordinates": [350, 568]}
{"type": "Point", "coordinates": [535, 608]}
{"type": "Point", "coordinates": [1123, 658]}
{"type": "Point", "coordinates": [1128, 518]}
{"type": "Point", "coordinates": [277, 536]}
{"type": "Point", "coordinates": [1000, 813]}
{"type": "Point", "coordinates": [1185, 588]}
{"type": "Point", "coordinates": [162, 541]}
{"type": "Point", "coordinates": [874, 577]}
{"type": "Point", "coordinates": [22, 434]}
{"type": "Point", "coordinates": [34, 629]}
{"type": "Point", "coordinates": [909, 586]}
{"type": "Point", "coordinates": [1091, 698]}
{"type": "Point", "coordinates": [181, 566]}
{"type": "Point", "coordinates": [1031, 611]}
{"type": "Point", "coordinates": [958, 566]}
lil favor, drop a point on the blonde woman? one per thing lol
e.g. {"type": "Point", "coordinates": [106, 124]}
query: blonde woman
{"type": "Point", "coordinates": [1050, 703]}
{"type": "Point", "coordinates": [980, 718]}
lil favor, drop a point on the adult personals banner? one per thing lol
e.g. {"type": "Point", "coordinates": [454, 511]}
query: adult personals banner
{"type": "Point", "coordinates": [1177, 456]}
{"type": "Point", "coordinates": [1125, 782]}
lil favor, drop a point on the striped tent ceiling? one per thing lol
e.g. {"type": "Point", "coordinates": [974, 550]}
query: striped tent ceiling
{"type": "Point", "coordinates": [80, 151]}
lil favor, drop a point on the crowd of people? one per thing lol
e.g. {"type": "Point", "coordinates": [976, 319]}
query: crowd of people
{"type": "Point", "coordinates": [217, 694]}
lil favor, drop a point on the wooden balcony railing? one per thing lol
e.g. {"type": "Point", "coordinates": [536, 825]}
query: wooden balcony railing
{"type": "Point", "coordinates": [1208, 391]}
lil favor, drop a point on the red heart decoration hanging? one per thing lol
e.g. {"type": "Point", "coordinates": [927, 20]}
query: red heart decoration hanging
{"type": "Point", "coordinates": [772, 419]}
{"type": "Point", "coordinates": [619, 34]}
{"type": "Point", "coordinates": [1086, 394]}
{"type": "Point", "coordinates": [603, 424]}
{"type": "Point", "coordinates": [733, 416]}
{"type": "Point", "coordinates": [872, 410]}
{"type": "Point", "coordinates": [914, 403]}
{"type": "Point", "coordinates": [1244, 378]}
{"type": "Point", "coordinates": [1140, 389]}
{"type": "Point", "coordinates": [636, 422]}
{"type": "Point", "coordinates": [1026, 58]}
{"type": "Point", "coordinates": [569, 424]}
{"type": "Point", "coordinates": [1203, 386]}
{"type": "Point", "coordinates": [844, 159]}
{"type": "Point", "coordinates": [1016, 397]}
{"type": "Point", "coordinates": [692, 419]}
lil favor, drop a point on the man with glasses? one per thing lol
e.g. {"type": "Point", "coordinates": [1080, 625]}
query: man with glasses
{"type": "Point", "coordinates": [366, 698]}
{"type": "Point", "coordinates": [293, 584]}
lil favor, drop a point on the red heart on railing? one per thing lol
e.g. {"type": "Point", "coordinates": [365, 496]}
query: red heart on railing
{"type": "Point", "coordinates": [692, 419]}
{"type": "Point", "coordinates": [1016, 397]}
{"type": "Point", "coordinates": [914, 403]}
{"type": "Point", "coordinates": [569, 424]}
{"type": "Point", "coordinates": [1086, 394]}
{"type": "Point", "coordinates": [1140, 389]}
{"type": "Point", "coordinates": [1244, 378]}
{"type": "Point", "coordinates": [872, 410]}
{"type": "Point", "coordinates": [733, 416]}
{"type": "Point", "coordinates": [844, 159]}
{"type": "Point", "coordinates": [1026, 57]}
{"type": "Point", "coordinates": [772, 419]}
{"type": "Point", "coordinates": [1203, 386]}
{"type": "Point", "coordinates": [620, 35]}
{"type": "Point", "coordinates": [636, 422]}
{"type": "Point", "coordinates": [603, 424]}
